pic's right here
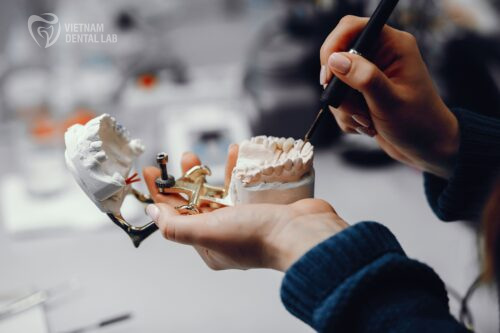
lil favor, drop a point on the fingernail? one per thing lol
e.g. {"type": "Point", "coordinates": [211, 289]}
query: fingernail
{"type": "Point", "coordinates": [340, 63]}
{"type": "Point", "coordinates": [231, 146]}
{"type": "Point", "coordinates": [153, 212]}
{"type": "Point", "coordinates": [322, 75]}
{"type": "Point", "coordinates": [362, 120]}
{"type": "Point", "coordinates": [365, 131]}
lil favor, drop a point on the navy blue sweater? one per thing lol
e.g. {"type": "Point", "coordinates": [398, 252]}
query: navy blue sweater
{"type": "Point", "coordinates": [360, 280]}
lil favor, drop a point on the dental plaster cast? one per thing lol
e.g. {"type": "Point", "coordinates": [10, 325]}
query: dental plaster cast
{"type": "Point", "coordinates": [100, 156]}
{"type": "Point", "coordinates": [273, 170]}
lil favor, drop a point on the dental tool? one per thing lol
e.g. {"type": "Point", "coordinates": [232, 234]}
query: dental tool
{"type": "Point", "coordinates": [37, 298]}
{"type": "Point", "coordinates": [336, 90]}
{"type": "Point", "coordinates": [103, 323]}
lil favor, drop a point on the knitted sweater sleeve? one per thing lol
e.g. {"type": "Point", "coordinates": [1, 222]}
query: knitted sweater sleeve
{"type": "Point", "coordinates": [361, 281]}
{"type": "Point", "coordinates": [463, 196]}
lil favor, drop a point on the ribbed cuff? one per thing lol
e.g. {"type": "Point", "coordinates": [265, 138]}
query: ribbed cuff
{"type": "Point", "coordinates": [313, 277]}
{"type": "Point", "coordinates": [478, 164]}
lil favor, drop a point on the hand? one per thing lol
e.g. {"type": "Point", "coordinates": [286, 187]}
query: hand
{"type": "Point", "coordinates": [188, 161]}
{"type": "Point", "coordinates": [397, 102]}
{"type": "Point", "coordinates": [245, 236]}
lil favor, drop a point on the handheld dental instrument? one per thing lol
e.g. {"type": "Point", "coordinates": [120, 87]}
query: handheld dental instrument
{"type": "Point", "coordinates": [334, 93]}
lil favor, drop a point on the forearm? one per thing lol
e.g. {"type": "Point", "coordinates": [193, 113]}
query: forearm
{"type": "Point", "coordinates": [361, 281]}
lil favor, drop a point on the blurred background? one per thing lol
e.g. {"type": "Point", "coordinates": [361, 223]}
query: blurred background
{"type": "Point", "coordinates": [198, 75]}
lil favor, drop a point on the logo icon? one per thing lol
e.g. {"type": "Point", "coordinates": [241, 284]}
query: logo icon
{"type": "Point", "coordinates": [47, 31]}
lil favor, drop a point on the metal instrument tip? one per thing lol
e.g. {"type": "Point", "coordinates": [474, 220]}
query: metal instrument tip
{"type": "Point", "coordinates": [313, 127]}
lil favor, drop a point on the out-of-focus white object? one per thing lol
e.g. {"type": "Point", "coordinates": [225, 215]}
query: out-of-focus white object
{"type": "Point", "coordinates": [26, 89]}
{"type": "Point", "coordinates": [32, 320]}
{"type": "Point", "coordinates": [273, 170]}
{"type": "Point", "coordinates": [100, 155]}
{"type": "Point", "coordinates": [44, 174]}
{"type": "Point", "coordinates": [207, 129]}
{"type": "Point", "coordinates": [24, 213]}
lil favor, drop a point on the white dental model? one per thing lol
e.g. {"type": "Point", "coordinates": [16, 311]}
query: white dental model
{"type": "Point", "coordinates": [100, 155]}
{"type": "Point", "coordinates": [273, 170]}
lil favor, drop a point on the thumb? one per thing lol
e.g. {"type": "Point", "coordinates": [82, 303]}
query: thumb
{"type": "Point", "coordinates": [185, 229]}
{"type": "Point", "coordinates": [362, 75]}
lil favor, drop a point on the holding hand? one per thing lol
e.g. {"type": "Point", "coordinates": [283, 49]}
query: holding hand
{"type": "Point", "coordinates": [246, 236]}
{"type": "Point", "coordinates": [398, 103]}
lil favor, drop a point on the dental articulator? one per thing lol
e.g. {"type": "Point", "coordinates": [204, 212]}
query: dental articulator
{"type": "Point", "coordinates": [100, 155]}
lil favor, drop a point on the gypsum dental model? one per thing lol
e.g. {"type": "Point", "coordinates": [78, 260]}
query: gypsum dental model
{"type": "Point", "coordinates": [272, 170]}
{"type": "Point", "coordinates": [100, 156]}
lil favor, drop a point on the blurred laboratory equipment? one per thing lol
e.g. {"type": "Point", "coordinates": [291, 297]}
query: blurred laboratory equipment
{"type": "Point", "coordinates": [43, 91]}
{"type": "Point", "coordinates": [28, 313]}
{"type": "Point", "coordinates": [283, 66]}
{"type": "Point", "coordinates": [459, 41]}
{"type": "Point", "coordinates": [206, 130]}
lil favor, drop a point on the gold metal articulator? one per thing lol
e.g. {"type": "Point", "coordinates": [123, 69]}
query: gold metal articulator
{"type": "Point", "coordinates": [192, 185]}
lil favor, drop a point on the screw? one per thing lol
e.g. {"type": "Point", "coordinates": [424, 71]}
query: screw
{"type": "Point", "coordinates": [162, 160]}
{"type": "Point", "coordinates": [166, 180]}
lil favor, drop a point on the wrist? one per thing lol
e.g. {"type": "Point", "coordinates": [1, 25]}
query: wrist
{"type": "Point", "coordinates": [303, 234]}
{"type": "Point", "coordinates": [446, 150]}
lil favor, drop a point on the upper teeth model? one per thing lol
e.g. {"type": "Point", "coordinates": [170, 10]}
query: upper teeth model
{"type": "Point", "coordinates": [100, 155]}
{"type": "Point", "coordinates": [273, 170]}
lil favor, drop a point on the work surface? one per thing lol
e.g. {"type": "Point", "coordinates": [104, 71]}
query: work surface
{"type": "Point", "coordinates": [167, 287]}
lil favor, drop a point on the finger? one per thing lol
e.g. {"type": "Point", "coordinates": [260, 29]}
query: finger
{"type": "Point", "coordinates": [346, 124]}
{"type": "Point", "coordinates": [351, 126]}
{"type": "Point", "coordinates": [339, 40]}
{"type": "Point", "coordinates": [363, 76]}
{"type": "Point", "coordinates": [352, 116]}
{"type": "Point", "coordinates": [185, 229]}
{"type": "Point", "coordinates": [354, 103]}
{"type": "Point", "coordinates": [348, 28]}
{"type": "Point", "coordinates": [232, 157]}
{"type": "Point", "coordinates": [188, 161]}
{"type": "Point", "coordinates": [150, 175]}
{"type": "Point", "coordinates": [342, 36]}
{"type": "Point", "coordinates": [354, 108]}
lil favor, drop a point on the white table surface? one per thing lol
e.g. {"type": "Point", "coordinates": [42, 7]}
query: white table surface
{"type": "Point", "coordinates": [168, 288]}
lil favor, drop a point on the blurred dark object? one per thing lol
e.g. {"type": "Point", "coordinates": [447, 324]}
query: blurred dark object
{"type": "Point", "coordinates": [234, 7]}
{"type": "Point", "coordinates": [125, 21]}
{"type": "Point", "coordinates": [423, 19]}
{"type": "Point", "coordinates": [496, 4]}
{"type": "Point", "coordinates": [283, 69]}
{"type": "Point", "coordinates": [367, 158]}
{"type": "Point", "coordinates": [464, 63]}
{"type": "Point", "coordinates": [470, 73]}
